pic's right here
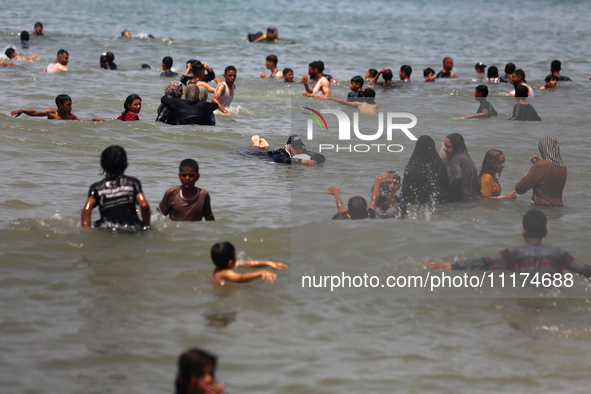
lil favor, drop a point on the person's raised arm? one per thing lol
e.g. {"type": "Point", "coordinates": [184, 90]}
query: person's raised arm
{"type": "Point", "coordinates": [207, 86]}
{"type": "Point", "coordinates": [383, 177]}
{"type": "Point", "coordinates": [86, 214]}
{"type": "Point", "coordinates": [144, 208]}
{"type": "Point", "coordinates": [306, 86]}
{"type": "Point", "coordinates": [336, 192]}
{"type": "Point", "coordinates": [374, 81]}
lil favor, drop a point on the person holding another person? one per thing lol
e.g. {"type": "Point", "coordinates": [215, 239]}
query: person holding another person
{"type": "Point", "coordinates": [547, 176]}
{"type": "Point", "coordinates": [493, 164]}
{"type": "Point", "coordinates": [107, 61]}
{"type": "Point", "coordinates": [191, 110]}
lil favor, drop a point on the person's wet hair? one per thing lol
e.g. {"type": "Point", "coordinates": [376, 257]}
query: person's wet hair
{"type": "Point", "coordinates": [273, 59]}
{"type": "Point", "coordinates": [387, 75]}
{"type": "Point", "coordinates": [510, 68]}
{"type": "Point", "coordinates": [489, 163]}
{"type": "Point", "coordinates": [189, 163]}
{"type": "Point", "coordinates": [550, 77]}
{"type": "Point", "coordinates": [9, 52]}
{"type": "Point", "coordinates": [493, 72]}
{"type": "Point", "coordinates": [229, 68]}
{"type": "Point", "coordinates": [521, 74]}
{"type": "Point", "coordinates": [167, 61]}
{"type": "Point", "coordinates": [129, 100]}
{"type": "Point", "coordinates": [192, 363]}
{"type": "Point", "coordinates": [521, 91]}
{"type": "Point", "coordinates": [358, 79]}
{"type": "Point", "coordinates": [145, 66]}
{"type": "Point", "coordinates": [62, 51]}
{"type": "Point", "coordinates": [110, 57]}
{"type": "Point", "coordinates": [372, 72]}
{"type": "Point", "coordinates": [197, 67]}
{"type": "Point", "coordinates": [222, 253]}
{"type": "Point", "coordinates": [369, 96]}
{"type": "Point", "coordinates": [357, 207]}
{"type": "Point", "coordinates": [406, 69]}
{"type": "Point", "coordinates": [287, 70]}
{"type": "Point", "coordinates": [556, 65]}
{"type": "Point", "coordinates": [61, 99]}
{"type": "Point", "coordinates": [319, 65]}
{"type": "Point", "coordinates": [534, 223]}
{"type": "Point", "coordinates": [482, 89]}
{"type": "Point", "coordinates": [428, 71]}
{"type": "Point", "coordinates": [24, 36]}
{"type": "Point", "coordinates": [114, 161]}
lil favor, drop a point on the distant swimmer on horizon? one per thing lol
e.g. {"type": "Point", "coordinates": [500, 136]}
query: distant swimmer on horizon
{"type": "Point", "coordinates": [271, 36]}
{"type": "Point", "coordinates": [133, 106]}
{"type": "Point", "coordinates": [448, 65]}
{"type": "Point", "coordinates": [271, 64]}
{"type": "Point", "coordinates": [223, 255]}
{"type": "Point", "coordinates": [63, 112]}
{"type": "Point", "coordinates": [224, 94]}
{"type": "Point", "coordinates": [63, 57]}
{"type": "Point", "coordinates": [367, 106]}
{"type": "Point", "coordinates": [116, 195]}
{"type": "Point", "coordinates": [126, 33]}
{"type": "Point", "coordinates": [13, 55]}
{"type": "Point", "coordinates": [38, 29]}
{"type": "Point", "coordinates": [486, 109]}
{"type": "Point", "coordinates": [107, 61]}
{"type": "Point", "coordinates": [429, 74]}
{"type": "Point", "coordinates": [187, 202]}
{"type": "Point", "coordinates": [144, 36]}
{"type": "Point", "coordinates": [387, 75]}
{"type": "Point", "coordinates": [322, 86]}
{"type": "Point", "coordinates": [523, 110]}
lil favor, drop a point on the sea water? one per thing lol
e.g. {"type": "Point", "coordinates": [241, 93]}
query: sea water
{"type": "Point", "coordinates": [101, 311]}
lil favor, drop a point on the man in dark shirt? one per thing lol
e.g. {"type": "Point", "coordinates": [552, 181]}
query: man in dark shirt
{"type": "Point", "coordinates": [166, 67]}
{"type": "Point", "coordinates": [533, 257]}
{"type": "Point", "coordinates": [555, 68]}
{"type": "Point", "coordinates": [448, 65]}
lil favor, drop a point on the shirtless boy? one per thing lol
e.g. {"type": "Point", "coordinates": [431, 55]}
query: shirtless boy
{"type": "Point", "coordinates": [368, 106]}
{"type": "Point", "coordinates": [60, 63]}
{"type": "Point", "coordinates": [63, 112]}
{"type": "Point", "coordinates": [322, 86]}
{"type": "Point", "coordinates": [271, 64]}
{"type": "Point", "coordinates": [223, 255]}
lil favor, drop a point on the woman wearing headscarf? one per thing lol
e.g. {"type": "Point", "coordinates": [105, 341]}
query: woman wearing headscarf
{"type": "Point", "coordinates": [425, 176]}
{"type": "Point", "coordinates": [546, 177]}
{"type": "Point", "coordinates": [463, 176]}
{"type": "Point", "coordinates": [173, 89]}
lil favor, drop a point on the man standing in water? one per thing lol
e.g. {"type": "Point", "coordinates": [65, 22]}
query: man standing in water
{"type": "Point", "coordinates": [322, 86]}
{"type": "Point", "coordinates": [60, 63]}
{"type": "Point", "coordinates": [448, 65]}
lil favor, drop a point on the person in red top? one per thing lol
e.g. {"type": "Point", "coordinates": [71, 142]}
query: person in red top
{"type": "Point", "coordinates": [133, 106]}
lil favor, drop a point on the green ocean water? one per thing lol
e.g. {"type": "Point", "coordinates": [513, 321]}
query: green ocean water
{"type": "Point", "coordinates": [110, 312]}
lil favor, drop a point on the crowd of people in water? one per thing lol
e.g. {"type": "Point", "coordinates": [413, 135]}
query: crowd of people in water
{"type": "Point", "coordinates": [432, 175]}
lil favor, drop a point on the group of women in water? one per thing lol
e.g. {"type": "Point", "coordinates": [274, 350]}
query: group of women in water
{"type": "Point", "coordinates": [449, 175]}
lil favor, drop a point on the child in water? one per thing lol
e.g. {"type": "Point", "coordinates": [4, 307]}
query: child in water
{"type": "Point", "coordinates": [116, 195]}
{"type": "Point", "coordinates": [187, 202]}
{"type": "Point", "coordinates": [133, 106]}
{"type": "Point", "coordinates": [223, 255]}
{"type": "Point", "coordinates": [196, 373]}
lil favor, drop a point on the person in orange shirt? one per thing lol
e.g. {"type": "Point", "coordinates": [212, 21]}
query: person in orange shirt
{"type": "Point", "coordinates": [493, 164]}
